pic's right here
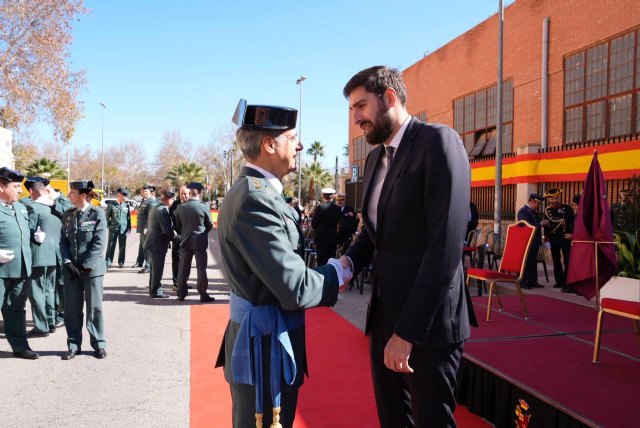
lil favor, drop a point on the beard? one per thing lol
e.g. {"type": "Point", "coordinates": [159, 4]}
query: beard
{"type": "Point", "coordinates": [381, 128]}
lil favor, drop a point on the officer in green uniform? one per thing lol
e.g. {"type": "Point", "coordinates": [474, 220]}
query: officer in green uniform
{"type": "Point", "coordinates": [260, 243]}
{"type": "Point", "coordinates": [193, 221]}
{"type": "Point", "coordinates": [15, 263]}
{"type": "Point", "coordinates": [119, 222]}
{"type": "Point", "coordinates": [82, 245]}
{"type": "Point", "coordinates": [43, 272]}
{"type": "Point", "coordinates": [159, 234]}
{"type": "Point", "coordinates": [558, 232]}
{"type": "Point", "coordinates": [148, 202]}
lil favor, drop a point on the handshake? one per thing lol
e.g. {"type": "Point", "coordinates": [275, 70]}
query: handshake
{"type": "Point", "coordinates": [343, 269]}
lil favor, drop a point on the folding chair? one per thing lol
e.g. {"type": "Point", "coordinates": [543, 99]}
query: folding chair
{"type": "Point", "coordinates": [519, 238]}
{"type": "Point", "coordinates": [470, 246]}
{"type": "Point", "coordinates": [492, 253]}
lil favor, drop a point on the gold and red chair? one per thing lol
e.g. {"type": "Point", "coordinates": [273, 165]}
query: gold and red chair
{"type": "Point", "coordinates": [519, 238]}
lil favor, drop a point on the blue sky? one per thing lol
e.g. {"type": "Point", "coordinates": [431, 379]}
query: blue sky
{"type": "Point", "coordinates": [163, 65]}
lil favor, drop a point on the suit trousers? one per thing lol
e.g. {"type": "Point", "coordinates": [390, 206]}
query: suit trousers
{"type": "Point", "coordinates": [121, 240]}
{"type": "Point", "coordinates": [140, 258]}
{"type": "Point", "coordinates": [202, 282]}
{"type": "Point", "coordinates": [42, 297]}
{"type": "Point", "coordinates": [243, 399]}
{"type": "Point", "coordinates": [424, 398]}
{"type": "Point", "coordinates": [15, 292]}
{"type": "Point", "coordinates": [76, 292]}
{"type": "Point", "coordinates": [559, 245]}
{"type": "Point", "coordinates": [176, 253]}
{"type": "Point", "coordinates": [59, 294]}
{"type": "Point", "coordinates": [157, 269]}
{"type": "Point", "coordinates": [531, 266]}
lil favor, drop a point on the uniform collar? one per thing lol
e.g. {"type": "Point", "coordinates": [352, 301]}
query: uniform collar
{"type": "Point", "coordinates": [272, 179]}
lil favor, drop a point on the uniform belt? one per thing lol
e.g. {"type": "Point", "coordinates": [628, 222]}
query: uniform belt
{"type": "Point", "coordinates": [246, 358]}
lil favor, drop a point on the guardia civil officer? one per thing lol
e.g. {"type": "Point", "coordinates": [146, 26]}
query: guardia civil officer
{"type": "Point", "coordinates": [559, 232]}
{"type": "Point", "coordinates": [119, 223]}
{"type": "Point", "coordinates": [84, 231]}
{"type": "Point", "coordinates": [159, 234]}
{"type": "Point", "coordinates": [15, 263]}
{"type": "Point", "coordinates": [44, 258]}
{"type": "Point", "coordinates": [193, 220]}
{"type": "Point", "coordinates": [148, 201]}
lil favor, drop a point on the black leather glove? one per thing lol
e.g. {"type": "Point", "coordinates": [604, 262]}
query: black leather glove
{"type": "Point", "coordinates": [73, 271]}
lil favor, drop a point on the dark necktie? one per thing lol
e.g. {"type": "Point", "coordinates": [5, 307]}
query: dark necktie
{"type": "Point", "coordinates": [389, 155]}
{"type": "Point", "coordinates": [10, 206]}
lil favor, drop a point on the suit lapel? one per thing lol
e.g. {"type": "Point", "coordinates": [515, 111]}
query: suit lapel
{"type": "Point", "coordinates": [400, 157]}
{"type": "Point", "coordinates": [373, 161]}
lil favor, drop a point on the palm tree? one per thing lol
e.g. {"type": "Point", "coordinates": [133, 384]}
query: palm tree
{"type": "Point", "coordinates": [316, 150]}
{"type": "Point", "coordinates": [45, 167]}
{"type": "Point", "coordinates": [315, 174]}
{"type": "Point", "coordinates": [185, 172]}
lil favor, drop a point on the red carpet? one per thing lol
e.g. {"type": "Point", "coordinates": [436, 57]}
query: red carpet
{"type": "Point", "coordinates": [337, 394]}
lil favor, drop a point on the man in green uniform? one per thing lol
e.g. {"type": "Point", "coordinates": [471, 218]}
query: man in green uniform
{"type": "Point", "coordinates": [260, 243]}
{"type": "Point", "coordinates": [148, 201]}
{"type": "Point", "coordinates": [159, 234]}
{"type": "Point", "coordinates": [15, 263]}
{"type": "Point", "coordinates": [82, 245]}
{"type": "Point", "coordinates": [193, 222]}
{"type": "Point", "coordinates": [43, 272]}
{"type": "Point", "coordinates": [119, 222]}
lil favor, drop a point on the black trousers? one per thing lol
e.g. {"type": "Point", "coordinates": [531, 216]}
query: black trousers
{"type": "Point", "coordinates": [559, 245]}
{"type": "Point", "coordinates": [531, 267]}
{"type": "Point", "coordinates": [157, 269]}
{"type": "Point", "coordinates": [176, 252]}
{"type": "Point", "coordinates": [202, 283]}
{"type": "Point", "coordinates": [424, 398]}
{"type": "Point", "coordinates": [324, 252]}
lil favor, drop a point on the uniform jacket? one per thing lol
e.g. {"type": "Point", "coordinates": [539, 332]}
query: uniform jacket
{"type": "Point", "coordinates": [560, 221]}
{"type": "Point", "coordinates": [83, 239]}
{"type": "Point", "coordinates": [193, 220]}
{"type": "Point", "coordinates": [15, 235]}
{"type": "Point", "coordinates": [527, 214]}
{"type": "Point", "coordinates": [61, 204]}
{"type": "Point", "coordinates": [143, 213]}
{"type": "Point", "coordinates": [422, 216]}
{"type": "Point", "coordinates": [347, 225]}
{"type": "Point", "coordinates": [325, 223]}
{"type": "Point", "coordinates": [159, 230]}
{"type": "Point", "coordinates": [259, 239]}
{"type": "Point", "coordinates": [46, 253]}
{"type": "Point", "coordinates": [119, 218]}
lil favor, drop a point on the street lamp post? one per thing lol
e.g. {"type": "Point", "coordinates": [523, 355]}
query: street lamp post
{"type": "Point", "coordinates": [299, 82]}
{"type": "Point", "coordinates": [102, 169]}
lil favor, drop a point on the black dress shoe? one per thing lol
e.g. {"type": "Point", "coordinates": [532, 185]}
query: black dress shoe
{"type": "Point", "coordinates": [181, 298]}
{"type": "Point", "coordinates": [144, 270]}
{"type": "Point", "coordinates": [135, 265]}
{"type": "Point", "coordinates": [161, 296]}
{"type": "Point", "coordinates": [120, 265]}
{"type": "Point", "coordinates": [206, 298]}
{"type": "Point", "coordinates": [536, 285]}
{"type": "Point", "coordinates": [26, 354]}
{"type": "Point", "coordinates": [100, 354]}
{"type": "Point", "coordinates": [35, 333]}
{"type": "Point", "coordinates": [569, 290]}
{"type": "Point", "coordinates": [71, 353]}
{"type": "Point", "coordinates": [59, 323]}
{"type": "Point", "coordinates": [52, 329]}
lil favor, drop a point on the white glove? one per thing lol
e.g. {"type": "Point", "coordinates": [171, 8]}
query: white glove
{"type": "Point", "coordinates": [6, 256]}
{"type": "Point", "coordinates": [39, 235]}
{"type": "Point", "coordinates": [344, 274]}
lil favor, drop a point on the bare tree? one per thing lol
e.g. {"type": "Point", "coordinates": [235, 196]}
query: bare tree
{"type": "Point", "coordinates": [126, 166]}
{"type": "Point", "coordinates": [36, 80]}
{"type": "Point", "coordinates": [175, 149]}
{"type": "Point", "coordinates": [220, 156]}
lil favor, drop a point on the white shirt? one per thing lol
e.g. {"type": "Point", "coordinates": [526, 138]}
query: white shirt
{"type": "Point", "coordinates": [378, 177]}
{"type": "Point", "coordinates": [272, 179]}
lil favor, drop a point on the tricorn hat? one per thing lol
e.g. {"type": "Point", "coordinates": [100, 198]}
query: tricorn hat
{"type": "Point", "coordinates": [264, 117]}
{"type": "Point", "coordinates": [553, 193]}
{"type": "Point", "coordinates": [30, 181]}
{"type": "Point", "coordinates": [149, 187]}
{"type": "Point", "coordinates": [168, 195]}
{"type": "Point", "coordinates": [82, 185]}
{"type": "Point", "coordinates": [11, 175]}
{"type": "Point", "coordinates": [123, 192]}
{"type": "Point", "coordinates": [195, 185]}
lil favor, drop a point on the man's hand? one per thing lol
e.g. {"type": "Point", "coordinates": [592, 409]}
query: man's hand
{"type": "Point", "coordinates": [344, 273]}
{"type": "Point", "coordinates": [396, 354]}
{"type": "Point", "coordinates": [73, 271]}
{"type": "Point", "coordinates": [6, 256]}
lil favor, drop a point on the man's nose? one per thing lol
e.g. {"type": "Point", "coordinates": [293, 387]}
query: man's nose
{"type": "Point", "coordinates": [299, 147]}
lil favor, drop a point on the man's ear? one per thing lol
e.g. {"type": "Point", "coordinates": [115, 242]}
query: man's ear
{"type": "Point", "coordinates": [269, 144]}
{"type": "Point", "coordinates": [389, 97]}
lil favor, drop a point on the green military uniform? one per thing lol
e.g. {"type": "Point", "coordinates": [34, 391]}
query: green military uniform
{"type": "Point", "coordinates": [143, 217]}
{"type": "Point", "coordinates": [14, 275]}
{"type": "Point", "coordinates": [27, 201]}
{"type": "Point", "coordinates": [44, 261]}
{"type": "Point", "coordinates": [119, 223]}
{"type": "Point", "coordinates": [82, 243]}
{"type": "Point", "coordinates": [60, 205]}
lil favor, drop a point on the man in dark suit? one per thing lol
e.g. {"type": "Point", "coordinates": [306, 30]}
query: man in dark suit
{"type": "Point", "coordinates": [325, 227]}
{"type": "Point", "coordinates": [415, 212]}
{"type": "Point", "coordinates": [260, 244]}
{"type": "Point", "coordinates": [159, 234]}
{"type": "Point", "coordinates": [528, 214]}
{"type": "Point", "coordinates": [193, 220]}
{"type": "Point", "coordinates": [176, 250]}
{"type": "Point", "coordinates": [347, 222]}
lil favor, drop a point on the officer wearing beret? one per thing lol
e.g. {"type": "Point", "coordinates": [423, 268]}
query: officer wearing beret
{"type": "Point", "coordinates": [84, 231]}
{"type": "Point", "coordinates": [325, 227]}
{"type": "Point", "coordinates": [529, 214]}
{"type": "Point", "coordinates": [148, 202]}
{"type": "Point", "coordinates": [159, 234]}
{"type": "Point", "coordinates": [559, 231]}
{"type": "Point", "coordinates": [260, 244]}
{"type": "Point", "coordinates": [193, 222]}
{"type": "Point", "coordinates": [44, 258]}
{"type": "Point", "coordinates": [119, 223]}
{"type": "Point", "coordinates": [15, 263]}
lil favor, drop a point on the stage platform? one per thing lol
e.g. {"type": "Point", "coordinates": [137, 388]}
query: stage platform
{"type": "Point", "coordinates": [547, 362]}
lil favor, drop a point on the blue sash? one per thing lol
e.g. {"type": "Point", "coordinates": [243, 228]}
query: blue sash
{"type": "Point", "coordinates": [246, 358]}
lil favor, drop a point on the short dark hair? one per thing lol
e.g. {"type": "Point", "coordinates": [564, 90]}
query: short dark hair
{"type": "Point", "coordinates": [376, 80]}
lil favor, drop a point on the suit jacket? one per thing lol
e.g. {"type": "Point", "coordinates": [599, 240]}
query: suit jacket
{"type": "Point", "coordinates": [143, 213]}
{"type": "Point", "coordinates": [193, 220]}
{"type": "Point", "coordinates": [347, 224]}
{"type": "Point", "coordinates": [46, 253]}
{"type": "Point", "coordinates": [259, 239]}
{"type": "Point", "coordinates": [527, 214]}
{"type": "Point", "coordinates": [83, 239]}
{"type": "Point", "coordinates": [119, 218]}
{"type": "Point", "coordinates": [415, 249]}
{"type": "Point", "coordinates": [159, 230]}
{"type": "Point", "coordinates": [15, 235]}
{"type": "Point", "coordinates": [325, 223]}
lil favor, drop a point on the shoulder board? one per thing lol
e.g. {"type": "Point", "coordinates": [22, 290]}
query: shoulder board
{"type": "Point", "coordinates": [259, 184]}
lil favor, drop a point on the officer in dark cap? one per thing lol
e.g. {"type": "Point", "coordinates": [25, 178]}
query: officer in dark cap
{"type": "Point", "coordinates": [159, 234]}
{"type": "Point", "coordinates": [559, 231]}
{"type": "Point", "coordinates": [15, 263]}
{"type": "Point", "coordinates": [193, 221]}
{"type": "Point", "coordinates": [260, 243]}
{"type": "Point", "coordinates": [84, 232]}
{"type": "Point", "coordinates": [529, 214]}
{"type": "Point", "coordinates": [148, 201]}
{"type": "Point", "coordinates": [325, 227]}
{"type": "Point", "coordinates": [28, 184]}
{"type": "Point", "coordinates": [119, 223]}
